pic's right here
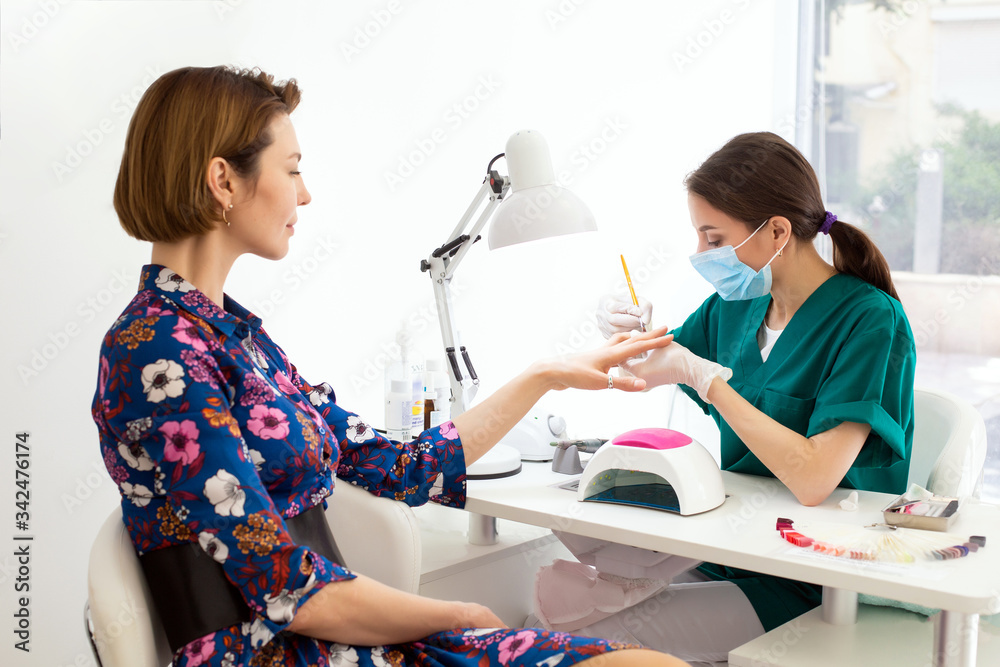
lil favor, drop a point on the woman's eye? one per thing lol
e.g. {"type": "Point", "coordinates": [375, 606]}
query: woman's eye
{"type": "Point", "coordinates": [296, 173]}
{"type": "Point", "coordinates": [713, 244]}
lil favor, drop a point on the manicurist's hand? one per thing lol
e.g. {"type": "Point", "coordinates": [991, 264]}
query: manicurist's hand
{"type": "Point", "coordinates": [617, 314]}
{"type": "Point", "coordinates": [675, 364]}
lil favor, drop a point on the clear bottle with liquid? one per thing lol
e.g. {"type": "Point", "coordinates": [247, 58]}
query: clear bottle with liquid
{"type": "Point", "coordinates": [433, 371]}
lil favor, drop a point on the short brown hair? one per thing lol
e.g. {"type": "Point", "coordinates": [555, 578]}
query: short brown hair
{"type": "Point", "coordinates": [185, 118]}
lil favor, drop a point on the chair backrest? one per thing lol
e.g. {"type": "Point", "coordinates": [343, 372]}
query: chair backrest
{"type": "Point", "coordinates": [378, 537]}
{"type": "Point", "coordinates": [949, 444]}
{"type": "Point", "coordinates": [126, 628]}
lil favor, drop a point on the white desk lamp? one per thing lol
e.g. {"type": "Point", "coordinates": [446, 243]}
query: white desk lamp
{"type": "Point", "coordinates": [529, 206]}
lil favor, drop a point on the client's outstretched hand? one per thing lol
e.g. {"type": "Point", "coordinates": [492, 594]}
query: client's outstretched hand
{"type": "Point", "coordinates": [592, 369]}
{"type": "Point", "coordinates": [482, 425]}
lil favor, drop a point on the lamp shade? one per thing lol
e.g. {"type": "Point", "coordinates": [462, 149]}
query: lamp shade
{"type": "Point", "coordinates": [536, 208]}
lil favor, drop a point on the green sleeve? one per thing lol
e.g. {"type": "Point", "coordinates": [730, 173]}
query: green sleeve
{"type": "Point", "coordinates": [871, 382]}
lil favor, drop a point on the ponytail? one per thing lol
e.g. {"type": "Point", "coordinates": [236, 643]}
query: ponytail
{"type": "Point", "coordinates": [758, 175]}
{"type": "Point", "coordinates": [854, 253]}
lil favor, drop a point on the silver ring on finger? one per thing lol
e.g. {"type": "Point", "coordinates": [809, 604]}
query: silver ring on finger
{"type": "Point", "coordinates": [611, 381]}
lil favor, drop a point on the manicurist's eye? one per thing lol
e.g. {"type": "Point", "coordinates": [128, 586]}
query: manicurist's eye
{"type": "Point", "coordinates": [296, 173]}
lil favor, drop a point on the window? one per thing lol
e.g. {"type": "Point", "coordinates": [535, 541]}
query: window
{"type": "Point", "coordinates": [906, 139]}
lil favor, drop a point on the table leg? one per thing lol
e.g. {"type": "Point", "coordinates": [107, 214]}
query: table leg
{"type": "Point", "coordinates": [956, 636]}
{"type": "Point", "coordinates": [482, 529]}
{"type": "Point", "coordinates": [840, 607]}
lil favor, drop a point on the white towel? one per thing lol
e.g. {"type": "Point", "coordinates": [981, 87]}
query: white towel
{"type": "Point", "coordinates": [570, 596]}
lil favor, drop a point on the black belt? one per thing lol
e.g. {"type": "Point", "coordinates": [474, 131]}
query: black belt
{"type": "Point", "coordinates": [192, 594]}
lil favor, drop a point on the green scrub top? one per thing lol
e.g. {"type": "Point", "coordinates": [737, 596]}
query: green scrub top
{"type": "Point", "coordinates": [846, 355]}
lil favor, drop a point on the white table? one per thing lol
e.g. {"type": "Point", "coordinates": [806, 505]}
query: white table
{"type": "Point", "coordinates": [741, 533]}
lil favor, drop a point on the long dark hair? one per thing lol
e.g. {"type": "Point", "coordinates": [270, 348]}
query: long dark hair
{"type": "Point", "coordinates": [759, 175]}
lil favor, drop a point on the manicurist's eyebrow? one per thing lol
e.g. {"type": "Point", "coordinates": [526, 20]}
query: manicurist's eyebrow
{"type": "Point", "coordinates": [704, 228]}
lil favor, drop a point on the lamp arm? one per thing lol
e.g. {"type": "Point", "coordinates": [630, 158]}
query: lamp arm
{"type": "Point", "coordinates": [464, 248]}
{"type": "Point", "coordinates": [477, 201]}
{"type": "Point", "coordinates": [441, 265]}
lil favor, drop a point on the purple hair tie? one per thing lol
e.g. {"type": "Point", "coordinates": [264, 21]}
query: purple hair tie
{"type": "Point", "coordinates": [827, 223]}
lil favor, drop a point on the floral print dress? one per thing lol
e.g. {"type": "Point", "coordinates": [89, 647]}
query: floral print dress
{"type": "Point", "coordinates": [214, 438]}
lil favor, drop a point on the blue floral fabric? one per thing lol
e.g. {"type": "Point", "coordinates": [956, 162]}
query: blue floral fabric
{"type": "Point", "coordinates": [214, 438]}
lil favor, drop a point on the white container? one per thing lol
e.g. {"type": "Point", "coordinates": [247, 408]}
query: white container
{"type": "Point", "coordinates": [442, 400]}
{"type": "Point", "coordinates": [655, 468]}
{"type": "Point", "coordinates": [416, 403]}
{"type": "Point", "coordinates": [399, 410]}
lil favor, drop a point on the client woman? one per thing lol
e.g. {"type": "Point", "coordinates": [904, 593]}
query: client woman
{"type": "Point", "coordinates": [225, 455]}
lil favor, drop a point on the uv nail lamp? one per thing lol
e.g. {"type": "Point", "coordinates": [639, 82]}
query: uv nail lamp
{"type": "Point", "coordinates": [656, 468]}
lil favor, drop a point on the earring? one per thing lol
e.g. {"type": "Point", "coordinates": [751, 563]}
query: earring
{"type": "Point", "coordinates": [779, 252]}
{"type": "Point", "coordinates": [224, 215]}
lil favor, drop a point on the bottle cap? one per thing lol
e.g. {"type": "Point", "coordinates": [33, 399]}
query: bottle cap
{"type": "Point", "coordinates": [401, 387]}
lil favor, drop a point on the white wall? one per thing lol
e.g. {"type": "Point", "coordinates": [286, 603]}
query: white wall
{"type": "Point", "coordinates": [577, 71]}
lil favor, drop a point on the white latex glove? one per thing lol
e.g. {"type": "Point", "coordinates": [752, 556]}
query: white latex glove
{"type": "Point", "coordinates": [617, 314]}
{"type": "Point", "coordinates": [675, 364]}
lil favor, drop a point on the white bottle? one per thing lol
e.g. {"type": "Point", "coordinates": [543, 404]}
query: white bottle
{"type": "Point", "coordinates": [417, 396]}
{"type": "Point", "coordinates": [399, 410]}
{"type": "Point", "coordinates": [409, 369]}
{"type": "Point", "coordinates": [442, 400]}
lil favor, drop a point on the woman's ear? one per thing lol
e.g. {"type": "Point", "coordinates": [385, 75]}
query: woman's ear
{"type": "Point", "coordinates": [218, 176]}
{"type": "Point", "coordinates": [781, 231]}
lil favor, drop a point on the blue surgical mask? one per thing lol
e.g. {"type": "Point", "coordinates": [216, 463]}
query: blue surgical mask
{"type": "Point", "coordinates": [731, 278]}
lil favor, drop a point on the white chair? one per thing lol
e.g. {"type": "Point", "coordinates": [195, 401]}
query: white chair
{"type": "Point", "coordinates": [123, 624]}
{"type": "Point", "coordinates": [949, 445]}
{"type": "Point", "coordinates": [378, 537]}
{"type": "Point", "coordinates": [384, 542]}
